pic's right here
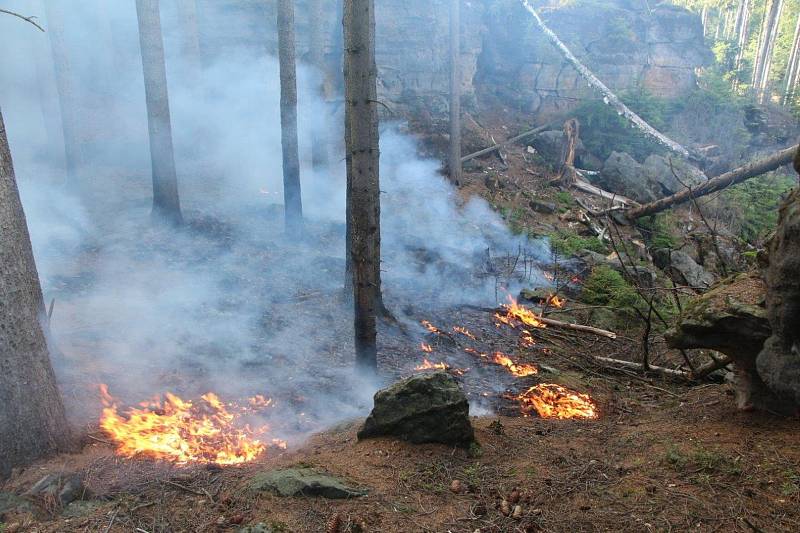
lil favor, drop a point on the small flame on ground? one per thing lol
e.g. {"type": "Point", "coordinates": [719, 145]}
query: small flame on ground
{"type": "Point", "coordinates": [526, 339]}
{"type": "Point", "coordinates": [201, 431]}
{"type": "Point", "coordinates": [427, 348]}
{"type": "Point", "coordinates": [464, 331]}
{"type": "Point", "coordinates": [515, 313]}
{"type": "Point", "coordinates": [430, 327]}
{"type": "Point", "coordinates": [520, 370]}
{"type": "Point", "coordinates": [554, 301]}
{"type": "Point", "coordinates": [554, 401]}
{"type": "Point", "coordinates": [427, 365]}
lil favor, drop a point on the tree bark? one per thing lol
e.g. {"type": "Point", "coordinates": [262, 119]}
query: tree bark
{"type": "Point", "coordinates": [66, 90]}
{"type": "Point", "coordinates": [455, 91]}
{"type": "Point", "coordinates": [31, 412]}
{"type": "Point", "coordinates": [738, 175]}
{"type": "Point", "coordinates": [742, 34]}
{"type": "Point", "coordinates": [319, 142]}
{"type": "Point", "coordinates": [791, 67]}
{"type": "Point", "coordinates": [609, 97]}
{"type": "Point", "coordinates": [769, 34]}
{"type": "Point", "coordinates": [293, 204]}
{"type": "Point", "coordinates": [190, 37]}
{"type": "Point", "coordinates": [567, 175]}
{"type": "Point", "coordinates": [363, 153]}
{"type": "Point", "coordinates": [166, 202]}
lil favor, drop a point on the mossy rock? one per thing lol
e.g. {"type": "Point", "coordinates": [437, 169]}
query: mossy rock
{"type": "Point", "coordinates": [304, 481]}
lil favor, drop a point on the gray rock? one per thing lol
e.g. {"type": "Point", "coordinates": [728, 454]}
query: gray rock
{"type": "Point", "coordinates": [682, 268]}
{"type": "Point", "coordinates": [550, 144]}
{"type": "Point", "coordinates": [622, 174]}
{"type": "Point", "coordinates": [546, 208]}
{"type": "Point", "coordinates": [12, 502]}
{"type": "Point", "coordinates": [658, 170]}
{"type": "Point", "coordinates": [304, 481]}
{"type": "Point", "coordinates": [261, 527]}
{"type": "Point", "coordinates": [78, 508]}
{"type": "Point", "coordinates": [423, 408]}
{"type": "Point", "coordinates": [66, 487]}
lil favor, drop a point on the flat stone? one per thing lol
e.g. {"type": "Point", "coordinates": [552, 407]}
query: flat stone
{"type": "Point", "coordinates": [78, 508]}
{"type": "Point", "coordinates": [423, 408]}
{"type": "Point", "coordinates": [12, 502]}
{"type": "Point", "coordinates": [304, 481]}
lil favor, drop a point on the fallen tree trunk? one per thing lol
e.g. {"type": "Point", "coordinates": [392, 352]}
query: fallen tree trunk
{"type": "Point", "coordinates": [608, 97]}
{"type": "Point", "coordinates": [576, 327]}
{"type": "Point", "coordinates": [738, 175]}
{"type": "Point", "coordinates": [638, 366]}
{"type": "Point", "coordinates": [512, 140]}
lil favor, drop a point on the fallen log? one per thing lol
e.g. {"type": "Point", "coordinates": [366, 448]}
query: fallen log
{"type": "Point", "coordinates": [505, 143]}
{"type": "Point", "coordinates": [608, 97]}
{"type": "Point", "coordinates": [738, 175]}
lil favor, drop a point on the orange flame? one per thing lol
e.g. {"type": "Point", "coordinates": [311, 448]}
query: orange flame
{"type": "Point", "coordinates": [526, 339]}
{"type": "Point", "coordinates": [520, 370]}
{"type": "Point", "coordinates": [427, 348]}
{"type": "Point", "coordinates": [554, 401]}
{"type": "Point", "coordinates": [427, 365]}
{"type": "Point", "coordinates": [518, 313]}
{"type": "Point", "coordinates": [202, 431]}
{"type": "Point", "coordinates": [430, 327]}
{"type": "Point", "coordinates": [464, 331]}
{"type": "Point", "coordinates": [554, 301]}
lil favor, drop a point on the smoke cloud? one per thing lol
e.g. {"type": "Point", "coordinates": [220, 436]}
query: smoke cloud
{"type": "Point", "coordinates": [228, 303]}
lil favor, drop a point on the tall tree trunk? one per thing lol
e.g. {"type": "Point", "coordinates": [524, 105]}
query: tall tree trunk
{"type": "Point", "coordinates": [293, 205]}
{"type": "Point", "coordinates": [769, 34]}
{"type": "Point", "coordinates": [166, 202]}
{"type": "Point", "coordinates": [67, 102]}
{"type": "Point", "coordinates": [190, 37]}
{"type": "Point", "coordinates": [791, 67]}
{"type": "Point", "coordinates": [742, 34]}
{"type": "Point", "coordinates": [31, 413]}
{"type": "Point", "coordinates": [361, 139]}
{"type": "Point", "coordinates": [319, 142]}
{"type": "Point", "coordinates": [704, 19]}
{"type": "Point", "coordinates": [455, 91]}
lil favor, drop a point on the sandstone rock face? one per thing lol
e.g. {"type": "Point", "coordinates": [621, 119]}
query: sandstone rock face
{"type": "Point", "coordinates": [503, 56]}
{"type": "Point", "coordinates": [779, 361]}
{"type": "Point", "coordinates": [422, 408]}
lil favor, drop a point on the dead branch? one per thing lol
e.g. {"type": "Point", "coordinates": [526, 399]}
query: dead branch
{"type": "Point", "coordinates": [738, 175]}
{"type": "Point", "coordinates": [567, 175]}
{"type": "Point", "coordinates": [26, 19]}
{"type": "Point", "coordinates": [577, 327]}
{"type": "Point", "coordinates": [587, 187]}
{"type": "Point", "coordinates": [608, 97]}
{"type": "Point", "coordinates": [503, 144]}
{"type": "Point", "coordinates": [658, 369]}
{"type": "Point", "coordinates": [713, 365]}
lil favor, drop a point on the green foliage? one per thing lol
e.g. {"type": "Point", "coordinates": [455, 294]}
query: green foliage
{"type": "Point", "coordinates": [658, 230]}
{"type": "Point", "coordinates": [754, 204]}
{"type": "Point", "coordinates": [606, 286]}
{"type": "Point", "coordinates": [603, 130]}
{"type": "Point", "coordinates": [569, 244]}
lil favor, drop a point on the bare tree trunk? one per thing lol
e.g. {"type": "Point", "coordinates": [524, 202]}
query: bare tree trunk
{"type": "Point", "coordinates": [567, 175]}
{"type": "Point", "coordinates": [769, 34]}
{"type": "Point", "coordinates": [66, 90]}
{"type": "Point", "coordinates": [608, 97]}
{"type": "Point", "coordinates": [704, 19]}
{"type": "Point", "coordinates": [742, 33]}
{"type": "Point", "coordinates": [166, 202]}
{"type": "Point", "coordinates": [363, 175]}
{"type": "Point", "coordinates": [738, 175]}
{"type": "Point", "coordinates": [319, 143]}
{"type": "Point", "coordinates": [293, 204]}
{"type": "Point", "coordinates": [190, 36]}
{"type": "Point", "coordinates": [791, 67]}
{"type": "Point", "coordinates": [31, 413]}
{"type": "Point", "coordinates": [455, 91]}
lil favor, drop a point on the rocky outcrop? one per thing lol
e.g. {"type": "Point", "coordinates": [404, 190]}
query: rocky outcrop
{"type": "Point", "coordinates": [731, 319]}
{"type": "Point", "coordinates": [422, 408]}
{"type": "Point", "coordinates": [682, 268]}
{"type": "Point", "coordinates": [645, 182]}
{"type": "Point", "coordinates": [304, 481]}
{"type": "Point", "coordinates": [779, 361]}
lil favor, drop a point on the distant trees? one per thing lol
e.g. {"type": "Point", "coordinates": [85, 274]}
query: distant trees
{"type": "Point", "coordinates": [319, 144]}
{"type": "Point", "coordinates": [766, 45]}
{"type": "Point", "coordinates": [363, 182]}
{"type": "Point", "coordinates": [166, 202]}
{"type": "Point", "coordinates": [455, 91]}
{"type": "Point", "coordinates": [293, 204]}
{"type": "Point", "coordinates": [31, 413]}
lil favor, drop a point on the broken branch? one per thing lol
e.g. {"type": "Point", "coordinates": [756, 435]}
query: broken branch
{"type": "Point", "coordinates": [26, 19]}
{"type": "Point", "coordinates": [503, 144]}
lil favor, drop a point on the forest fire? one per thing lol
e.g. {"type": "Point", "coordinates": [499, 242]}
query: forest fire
{"type": "Point", "coordinates": [555, 301]}
{"type": "Point", "coordinates": [430, 327]}
{"type": "Point", "coordinates": [179, 431]}
{"type": "Point", "coordinates": [519, 370]}
{"type": "Point", "coordinates": [427, 348]}
{"type": "Point", "coordinates": [427, 365]}
{"type": "Point", "coordinates": [554, 401]}
{"type": "Point", "coordinates": [464, 331]}
{"type": "Point", "coordinates": [515, 313]}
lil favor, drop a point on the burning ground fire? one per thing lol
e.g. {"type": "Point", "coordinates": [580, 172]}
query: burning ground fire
{"type": "Point", "coordinates": [200, 431]}
{"type": "Point", "coordinates": [519, 370]}
{"type": "Point", "coordinates": [515, 313]}
{"type": "Point", "coordinates": [554, 401]}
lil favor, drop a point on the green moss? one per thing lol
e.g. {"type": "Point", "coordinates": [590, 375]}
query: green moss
{"type": "Point", "coordinates": [657, 230]}
{"type": "Point", "coordinates": [606, 286]}
{"type": "Point", "coordinates": [570, 243]}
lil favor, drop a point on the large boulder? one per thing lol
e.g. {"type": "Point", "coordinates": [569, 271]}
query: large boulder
{"type": "Point", "coordinates": [682, 268]}
{"type": "Point", "coordinates": [730, 318]}
{"type": "Point", "coordinates": [623, 175]}
{"type": "Point", "coordinates": [422, 408]}
{"type": "Point", "coordinates": [671, 175]}
{"type": "Point", "coordinates": [779, 361]}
